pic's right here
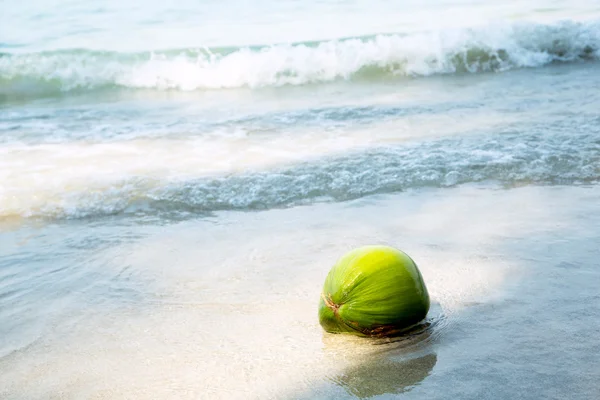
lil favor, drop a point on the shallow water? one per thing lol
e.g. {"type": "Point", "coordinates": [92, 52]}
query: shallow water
{"type": "Point", "coordinates": [115, 309]}
{"type": "Point", "coordinates": [176, 183]}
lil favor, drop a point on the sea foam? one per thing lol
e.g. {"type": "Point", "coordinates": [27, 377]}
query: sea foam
{"type": "Point", "coordinates": [466, 50]}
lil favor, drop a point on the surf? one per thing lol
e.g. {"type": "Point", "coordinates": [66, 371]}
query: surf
{"type": "Point", "coordinates": [495, 48]}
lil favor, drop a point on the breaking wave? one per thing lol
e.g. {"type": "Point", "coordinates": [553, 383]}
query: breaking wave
{"type": "Point", "coordinates": [493, 48]}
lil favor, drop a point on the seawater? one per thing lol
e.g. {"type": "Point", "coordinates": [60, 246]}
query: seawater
{"type": "Point", "coordinates": [176, 181]}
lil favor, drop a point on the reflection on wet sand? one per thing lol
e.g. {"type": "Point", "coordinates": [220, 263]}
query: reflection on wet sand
{"type": "Point", "coordinates": [381, 366]}
{"type": "Point", "coordinates": [380, 375]}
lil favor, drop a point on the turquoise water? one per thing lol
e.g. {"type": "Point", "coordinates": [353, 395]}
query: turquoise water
{"type": "Point", "coordinates": [177, 180]}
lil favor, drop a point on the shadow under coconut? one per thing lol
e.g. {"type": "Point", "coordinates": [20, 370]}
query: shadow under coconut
{"type": "Point", "coordinates": [384, 375]}
{"type": "Point", "coordinates": [378, 366]}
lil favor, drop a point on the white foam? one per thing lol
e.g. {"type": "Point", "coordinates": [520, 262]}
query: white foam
{"type": "Point", "coordinates": [76, 179]}
{"type": "Point", "coordinates": [493, 48]}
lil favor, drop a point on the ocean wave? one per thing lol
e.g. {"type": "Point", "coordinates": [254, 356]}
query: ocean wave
{"type": "Point", "coordinates": [505, 159]}
{"type": "Point", "coordinates": [493, 48]}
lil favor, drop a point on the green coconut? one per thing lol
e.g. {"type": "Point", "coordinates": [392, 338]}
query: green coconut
{"type": "Point", "coordinates": [373, 291]}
